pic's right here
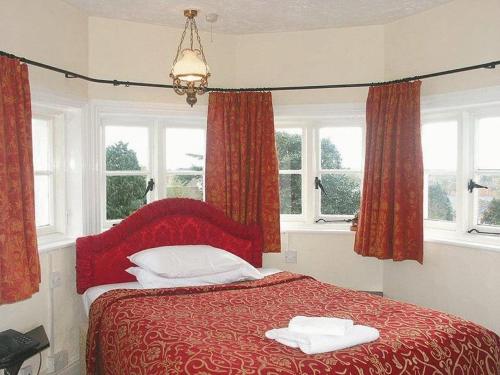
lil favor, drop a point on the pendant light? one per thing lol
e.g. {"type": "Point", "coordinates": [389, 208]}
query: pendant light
{"type": "Point", "coordinates": [190, 71]}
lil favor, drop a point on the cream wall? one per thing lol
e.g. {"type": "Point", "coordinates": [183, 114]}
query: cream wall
{"type": "Point", "coordinates": [139, 52]}
{"type": "Point", "coordinates": [49, 31]}
{"type": "Point", "coordinates": [329, 258]}
{"type": "Point", "coordinates": [344, 55]}
{"type": "Point", "coordinates": [457, 280]}
{"type": "Point", "coordinates": [460, 33]}
{"type": "Point", "coordinates": [59, 310]}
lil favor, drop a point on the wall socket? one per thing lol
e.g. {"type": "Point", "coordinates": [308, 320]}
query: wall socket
{"type": "Point", "coordinates": [290, 256]}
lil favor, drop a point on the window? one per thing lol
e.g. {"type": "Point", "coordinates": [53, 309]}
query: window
{"type": "Point", "coordinates": [439, 144]}
{"type": "Point", "coordinates": [289, 144]}
{"type": "Point", "coordinates": [486, 202]}
{"type": "Point", "coordinates": [127, 169]}
{"type": "Point", "coordinates": [43, 164]}
{"type": "Point", "coordinates": [185, 162]}
{"type": "Point", "coordinates": [139, 150]}
{"type": "Point", "coordinates": [340, 150]}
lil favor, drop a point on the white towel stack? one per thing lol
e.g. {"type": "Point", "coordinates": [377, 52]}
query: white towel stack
{"type": "Point", "coordinates": [315, 335]}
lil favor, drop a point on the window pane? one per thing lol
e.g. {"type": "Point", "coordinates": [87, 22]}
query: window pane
{"type": "Point", "coordinates": [42, 200]}
{"type": "Point", "coordinates": [489, 200]}
{"type": "Point", "coordinates": [341, 148]}
{"type": "Point", "coordinates": [289, 146]}
{"type": "Point", "coordinates": [342, 194]}
{"type": "Point", "coordinates": [488, 135]}
{"type": "Point", "coordinates": [124, 195]}
{"type": "Point", "coordinates": [185, 149]}
{"type": "Point", "coordinates": [126, 148]}
{"type": "Point", "coordinates": [291, 194]}
{"type": "Point", "coordinates": [439, 145]}
{"type": "Point", "coordinates": [185, 186]}
{"type": "Point", "coordinates": [41, 145]}
{"type": "Point", "coordinates": [442, 193]}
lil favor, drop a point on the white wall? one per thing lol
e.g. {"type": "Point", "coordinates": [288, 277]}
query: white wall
{"type": "Point", "coordinates": [59, 310]}
{"type": "Point", "coordinates": [457, 280]}
{"type": "Point", "coordinates": [51, 32]}
{"type": "Point", "coordinates": [139, 52]}
{"type": "Point", "coordinates": [453, 35]}
{"type": "Point", "coordinates": [329, 258]}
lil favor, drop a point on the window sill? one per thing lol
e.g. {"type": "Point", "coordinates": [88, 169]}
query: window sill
{"type": "Point", "coordinates": [473, 241]}
{"type": "Point", "coordinates": [446, 237]}
{"type": "Point", "coordinates": [54, 241]}
{"type": "Point", "coordinates": [328, 228]}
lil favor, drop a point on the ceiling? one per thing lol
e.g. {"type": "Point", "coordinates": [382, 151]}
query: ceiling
{"type": "Point", "coordinates": [259, 16]}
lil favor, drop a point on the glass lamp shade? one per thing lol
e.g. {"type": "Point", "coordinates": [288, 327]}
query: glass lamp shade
{"type": "Point", "coordinates": [190, 67]}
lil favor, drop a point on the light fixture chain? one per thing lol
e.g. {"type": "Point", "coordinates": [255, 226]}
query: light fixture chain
{"type": "Point", "coordinates": [199, 42]}
{"type": "Point", "coordinates": [191, 36]}
{"type": "Point", "coordinates": [180, 44]}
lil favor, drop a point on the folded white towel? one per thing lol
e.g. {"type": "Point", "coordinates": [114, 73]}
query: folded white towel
{"type": "Point", "coordinates": [314, 344]}
{"type": "Point", "coordinates": [320, 325]}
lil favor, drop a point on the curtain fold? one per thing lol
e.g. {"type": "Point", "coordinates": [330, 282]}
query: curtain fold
{"type": "Point", "coordinates": [241, 173]}
{"type": "Point", "coordinates": [391, 214]}
{"type": "Point", "coordinates": [19, 262]}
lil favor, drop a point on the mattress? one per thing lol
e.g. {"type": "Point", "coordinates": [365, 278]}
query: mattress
{"type": "Point", "coordinates": [220, 329]}
{"type": "Point", "coordinates": [91, 294]}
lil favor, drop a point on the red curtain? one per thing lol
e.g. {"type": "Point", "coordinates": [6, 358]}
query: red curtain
{"type": "Point", "coordinates": [19, 263]}
{"type": "Point", "coordinates": [241, 162]}
{"type": "Point", "coordinates": [391, 215]}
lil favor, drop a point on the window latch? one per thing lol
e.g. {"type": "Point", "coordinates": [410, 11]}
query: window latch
{"type": "Point", "coordinates": [319, 185]}
{"type": "Point", "coordinates": [473, 185]}
{"type": "Point", "coordinates": [150, 187]}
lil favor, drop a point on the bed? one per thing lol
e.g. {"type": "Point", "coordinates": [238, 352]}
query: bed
{"type": "Point", "coordinates": [219, 329]}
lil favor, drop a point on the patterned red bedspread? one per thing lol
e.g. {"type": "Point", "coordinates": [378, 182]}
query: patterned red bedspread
{"type": "Point", "coordinates": [220, 330]}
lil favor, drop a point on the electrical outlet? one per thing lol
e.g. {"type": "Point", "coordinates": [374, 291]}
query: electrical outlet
{"type": "Point", "coordinates": [26, 370]}
{"type": "Point", "coordinates": [55, 280]}
{"type": "Point", "coordinates": [290, 256]}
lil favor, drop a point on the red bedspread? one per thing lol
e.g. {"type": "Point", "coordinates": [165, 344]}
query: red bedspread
{"type": "Point", "coordinates": [220, 330]}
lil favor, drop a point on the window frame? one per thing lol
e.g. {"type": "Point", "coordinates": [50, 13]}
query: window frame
{"type": "Point", "coordinates": [474, 172]}
{"type": "Point", "coordinates": [440, 117]}
{"type": "Point", "coordinates": [123, 121]}
{"type": "Point", "coordinates": [51, 172]}
{"type": "Point", "coordinates": [163, 172]}
{"type": "Point", "coordinates": [302, 171]}
{"type": "Point", "coordinates": [58, 216]}
{"type": "Point", "coordinates": [319, 171]}
{"type": "Point", "coordinates": [157, 127]}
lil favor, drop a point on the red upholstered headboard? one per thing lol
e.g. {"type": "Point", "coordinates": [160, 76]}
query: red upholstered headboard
{"type": "Point", "coordinates": [102, 259]}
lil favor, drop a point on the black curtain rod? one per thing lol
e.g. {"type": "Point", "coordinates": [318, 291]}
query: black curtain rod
{"type": "Point", "coordinates": [69, 74]}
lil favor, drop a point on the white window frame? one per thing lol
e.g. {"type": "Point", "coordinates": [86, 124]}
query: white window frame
{"type": "Point", "coordinates": [156, 125]}
{"type": "Point", "coordinates": [163, 171]}
{"type": "Point", "coordinates": [475, 172]}
{"type": "Point", "coordinates": [284, 125]}
{"type": "Point", "coordinates": [57, 185]}
{"type": "Point", "coordinates": [119, 121]}
{"type": "Point", "coordinates": [434, 118]}
{"type": "Point", "coordinates": [336, 123]}
{"type": "Point", "coordinates": [311, 118]}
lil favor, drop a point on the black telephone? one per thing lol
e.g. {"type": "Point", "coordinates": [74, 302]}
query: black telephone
{"type": "Point", "coordinates": [14, 344]}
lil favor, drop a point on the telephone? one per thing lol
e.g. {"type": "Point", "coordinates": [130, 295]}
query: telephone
{"type": "Point", "coordinates": [14, 344]}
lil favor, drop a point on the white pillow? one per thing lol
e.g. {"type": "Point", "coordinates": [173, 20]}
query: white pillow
{"type": "Point", "coordinates": [150, 280]}
{"type": "Point", "coordinates": [186, 261]}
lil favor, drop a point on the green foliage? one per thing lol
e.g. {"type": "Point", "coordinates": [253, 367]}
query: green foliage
{"type": "Point", "coordinates": [343, 191]}
{"type": "Point", "coordinates": [123, 193]}
{"type": "Point", "coordinates": [491, 216]}
{"type": "Point", "coordinates": [440, 207]}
